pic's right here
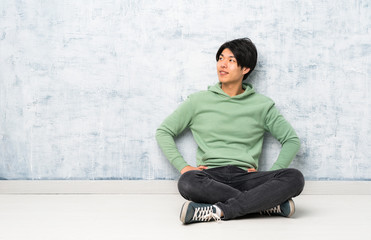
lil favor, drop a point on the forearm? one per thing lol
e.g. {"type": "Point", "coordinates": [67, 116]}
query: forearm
{"type": "Point", "coordinates": [288, 152]}
{"type": "Point", "coordinates": [282, 130]}
{"type": "Point", "coordinates": [169, 148]}
{"type": "Point", "coordinates": [171, 127]}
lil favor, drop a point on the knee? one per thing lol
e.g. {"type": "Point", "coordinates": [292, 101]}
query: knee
{"type": "Point", "coordinates": [188, 181]}
{"type": "Point", "coordinates": [184, 182]}
{"type": "Point", "coordinates": [296, 179]}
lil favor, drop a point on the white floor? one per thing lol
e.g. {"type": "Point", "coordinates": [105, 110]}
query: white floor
{"type": "Point", "coordinates": [151, 216]}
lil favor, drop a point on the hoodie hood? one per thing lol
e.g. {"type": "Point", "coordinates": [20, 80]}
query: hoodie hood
{"type": "Point", "coordinates": [249, 89]}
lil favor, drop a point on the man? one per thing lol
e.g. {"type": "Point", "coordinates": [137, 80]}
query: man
{"type": "Point", "coordinates": [228, 123]}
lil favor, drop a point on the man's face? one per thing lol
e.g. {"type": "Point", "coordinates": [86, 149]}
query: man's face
{"type": "Point", "coordinates": [228, 69]}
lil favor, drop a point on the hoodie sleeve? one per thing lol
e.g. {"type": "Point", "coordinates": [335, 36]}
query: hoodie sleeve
{"type": "Point", "coordinates": [171, 127]}
{"type": "Point", "coordinates": [277, 125]}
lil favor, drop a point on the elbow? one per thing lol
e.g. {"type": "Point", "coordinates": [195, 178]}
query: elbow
{"type": "Point", "coordinates": [159, 133]}
{"type": "Point", "coordinates": [296, 141]}
{"type": "Point", "coordinates": [162, 132]}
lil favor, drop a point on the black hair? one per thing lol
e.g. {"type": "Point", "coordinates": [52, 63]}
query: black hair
{"type": "Point", "coordinates": [244, 51]}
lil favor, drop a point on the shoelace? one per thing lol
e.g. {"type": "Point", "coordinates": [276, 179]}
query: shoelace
{"type": "Point", "coordinates": [205, 214]}
{"type": "Point", "coordinates": [276, 209]}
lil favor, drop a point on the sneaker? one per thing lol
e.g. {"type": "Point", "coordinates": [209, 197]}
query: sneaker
{"type": "Point", "coordinates": [198, 212]}
{"type": "Point", "coordinates": [286, 209]}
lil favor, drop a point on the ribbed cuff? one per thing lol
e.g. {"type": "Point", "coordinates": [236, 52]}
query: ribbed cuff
{"type": "Point", "coordinates": [179, 163]}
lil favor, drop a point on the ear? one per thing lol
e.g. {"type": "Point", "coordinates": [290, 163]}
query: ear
{"type": "Point", "coordinates": [245, 70]}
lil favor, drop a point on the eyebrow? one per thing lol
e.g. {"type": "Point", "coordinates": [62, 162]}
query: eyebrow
{"type": "Point", "coordinates": [231, 56]}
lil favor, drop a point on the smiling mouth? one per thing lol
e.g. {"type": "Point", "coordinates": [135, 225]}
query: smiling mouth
{"type": "Point", "coordinates": [223, 73]}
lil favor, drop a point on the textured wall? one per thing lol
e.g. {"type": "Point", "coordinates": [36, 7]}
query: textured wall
{"type": "Point", "coordinates": [85, 84]}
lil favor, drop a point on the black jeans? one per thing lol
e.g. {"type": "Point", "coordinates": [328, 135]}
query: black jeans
{"type": "Point", "coordinates": [237, 192]}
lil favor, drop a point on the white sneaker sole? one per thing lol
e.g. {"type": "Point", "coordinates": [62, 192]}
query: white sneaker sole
{"type": "Point", "coordinates": [292, 208]}
{"type": "Point", "coordinates": [183, 212]}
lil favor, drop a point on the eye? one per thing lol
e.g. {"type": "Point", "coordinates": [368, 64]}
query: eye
{"type": "Point", "coordinates": [220, 58]}
{"type": "Point", "coordinates": [232, 60]}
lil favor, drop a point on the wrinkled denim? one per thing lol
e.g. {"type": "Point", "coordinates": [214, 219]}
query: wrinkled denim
{"type": "Point", "coordinates": [238, 192]}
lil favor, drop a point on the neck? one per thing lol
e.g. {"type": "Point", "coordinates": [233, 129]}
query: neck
{"type": "Point", "coordinates": [232, 89]}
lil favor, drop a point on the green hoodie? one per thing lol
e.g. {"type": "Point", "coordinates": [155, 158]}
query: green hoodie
{"type": "Point", "coordinates": [228, 130]}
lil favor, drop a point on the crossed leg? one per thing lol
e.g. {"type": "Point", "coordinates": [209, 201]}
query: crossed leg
{"type": "Point", "coordinates": [237, 192]}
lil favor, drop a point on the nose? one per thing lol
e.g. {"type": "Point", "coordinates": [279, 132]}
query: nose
{"type": "Point", "coordinates": [223, 64]}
